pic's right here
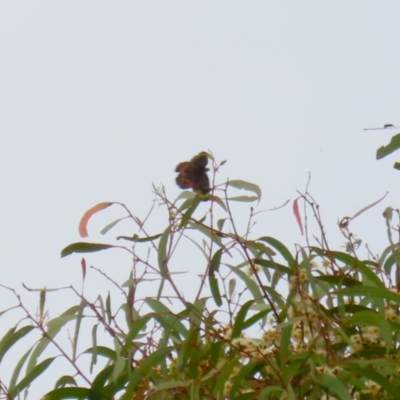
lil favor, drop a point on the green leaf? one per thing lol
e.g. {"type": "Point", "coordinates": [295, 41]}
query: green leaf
{"type": "Point", "coordinates": [213, 235]}
{"type": "Point", "coordinates": [135, 238]}
{"type": "Point", "coordinates": [77, 328]}
{"type": "Point", "coordinates": [102, 351]}
{"type": "Point", "coordinates": [69, 393]}
{"type": "Point", "coordinates": [375, 376]}
{"type": "Point", "coordinates": [11, 337]}
{"type": "Point", "coordinates": [135, 328]}
{"type": "Point", "coordinates": [31, 376]}
{"type": "Point", "coordinates": [213, 282]}
{"type": "Point", "coordinates": [370, 291]}
{"type": "Point", "coordinates": [241, 315]}
{"type": "Point", "coordinates": [338, 280]}
{"type": "Point", "coordinates": [271, 392]}
{"type": "Point", "coordinates": [189, 212]}
{"type": "Point", "coordinates": [363, 266]}
{"type": "Point", "coordinates": [151, 361]}
{"type": "Point", "coordinates": [82, 247]}
{"type": "Point", "coordinates": [272, 265]}
{"type": "Point", "coordinates": [53, 328]}
{"type": "Point", "coordinates": [390, 148]}
{"type": "Point", "coordinates": [231, 287]}
{"type": "Point", "coordinates": [244, 199]}
{"type": "Point", "coordinates": [219, 201]}
{"type": "Point", "coordinates": [18, 368]}
{"type": "Point", "coordinates": [251, 285]}
{"type": "Point", "coordinates": [238, 184]}
{"type": "Point", "coordinates": [111, 225]}
{"type": "Point", "coordinates": [93, 360]}
{"type": "Point", "coordinates": [65, 380]}
{"type": "Point", "coordinates": [162, 252]}
{"type": "Point", "coordinates": [285, 253]}
{"type": "Point", "coordinates": [334, 385]}
{"type": "Point", "coordinates": [165, 316]}
{"type": "Point", "coordinates": [220, 223]}
{"type": "Point", "coordinates": [215, 262]}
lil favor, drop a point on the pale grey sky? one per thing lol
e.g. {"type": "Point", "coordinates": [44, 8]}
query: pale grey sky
{"type": "Point", "coordinates": [100, 99]}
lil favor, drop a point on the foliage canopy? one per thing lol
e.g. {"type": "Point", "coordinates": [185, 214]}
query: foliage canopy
{"type": "Point", "coordinates": [260, 322]}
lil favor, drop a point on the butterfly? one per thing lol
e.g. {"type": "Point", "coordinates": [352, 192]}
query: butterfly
{"type": "Point", "coordinates": [193, 175]}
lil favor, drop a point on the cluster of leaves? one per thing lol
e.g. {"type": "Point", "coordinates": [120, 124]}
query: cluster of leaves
{"type": "Point", "coordinates": [315, 324]}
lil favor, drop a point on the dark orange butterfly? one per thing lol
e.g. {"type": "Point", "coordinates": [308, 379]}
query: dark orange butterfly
{"type": "Point", "coordinates": [193, 175]}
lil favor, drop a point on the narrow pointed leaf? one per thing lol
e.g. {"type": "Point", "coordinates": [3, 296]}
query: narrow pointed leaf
{"type": "Point", "coordinates": [137, 239]}
{"type": "Point", "coordinates": [31, 376]}
{"type": "Point", "coordinates": [213, 282]}
{"type": "Point", "coordinates": [81, 247]}
{"type": "Point", "coordinates": [162, 253]}
{"type": "Point", "coordinates": [111, 225]}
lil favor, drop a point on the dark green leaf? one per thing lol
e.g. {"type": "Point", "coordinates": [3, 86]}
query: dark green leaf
{"type": "Point", "coordinates": [69, 393]}
{"type": "Point", "coordinates": [213, 282]}
{"type": "Point", "coordinates": [82, 247]}
{"type": "Point", "coordinates": [65, 380]}
{"type": "Point", "coordinates": [136, 238]}
{"type": "Point", "coordinates": [215, 262]}
{"type": "Point", "coordinates": [390, 148]}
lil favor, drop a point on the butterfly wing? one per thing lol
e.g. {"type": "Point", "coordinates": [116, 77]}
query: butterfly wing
{"type": "Point", "coordinates": [193, 175]}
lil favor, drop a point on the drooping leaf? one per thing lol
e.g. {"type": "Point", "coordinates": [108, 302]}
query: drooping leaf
{"type": "Point", "coordinates": [213, 282]}
{"type": "Point", "coordinates": [215, 262]}
{"type": "Point", "coordinates": [88, 214]}
{"type": "Point", "coordinates": [93, 360]}
{"type": "Point", "coordinates": [83, 266]}
{"type": "Point", "coordinates": [296, 212]}
{"type": "Point", "coordinates": [231, 287]}
{"type": "Point", "coordinates": [79, 316]}
{"type": "Point", "coordinates": [162, 253]}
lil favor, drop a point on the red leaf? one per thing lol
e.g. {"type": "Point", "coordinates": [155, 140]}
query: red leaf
{"type": "Point", "coordinates": [88, 214]}
{"type": "Point", "coordinates": [297, 214]}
